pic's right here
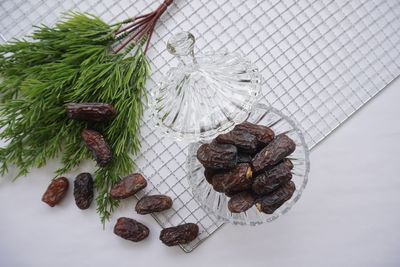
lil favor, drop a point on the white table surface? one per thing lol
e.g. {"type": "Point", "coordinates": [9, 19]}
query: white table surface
{"type": "Point", "coordinates": [348, 216]}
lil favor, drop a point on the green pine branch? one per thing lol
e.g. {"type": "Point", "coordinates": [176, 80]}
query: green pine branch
{"type": "Point", "coordinates": [70, 62]}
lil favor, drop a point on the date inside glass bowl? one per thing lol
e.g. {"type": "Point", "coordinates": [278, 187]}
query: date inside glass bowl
{"type": "Point", "coordinates": [217, 203]}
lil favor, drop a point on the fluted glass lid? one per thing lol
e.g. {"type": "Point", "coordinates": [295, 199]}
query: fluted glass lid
{"type": "Point", "coordinates": [204, 95]}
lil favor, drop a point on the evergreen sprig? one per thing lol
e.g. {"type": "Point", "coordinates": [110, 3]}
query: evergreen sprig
{"type": "Point", "coordinates": [70, 62]}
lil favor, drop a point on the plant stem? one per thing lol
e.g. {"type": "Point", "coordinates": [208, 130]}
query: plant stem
{"type": "Point", "coordinates": [142, 26]}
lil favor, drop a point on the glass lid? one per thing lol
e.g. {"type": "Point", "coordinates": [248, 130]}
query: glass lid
{"type": "Point", "coordinates": [205, 95]}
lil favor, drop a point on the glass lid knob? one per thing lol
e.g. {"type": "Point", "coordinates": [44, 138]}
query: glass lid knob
{"type": "Point", "coordinates": [181, 44]}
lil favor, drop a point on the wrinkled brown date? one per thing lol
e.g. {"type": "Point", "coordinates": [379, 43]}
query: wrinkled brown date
{"type": "Point", "coordinates": [237, 179]}
{"type": "Point", "coordinates": [96, 143]}
{"type": "Point", "coordinates": [271, 202]}
{"type": "Point", "coordinates": [56, 191]}
{"type": "Point", "coordinates": [270, 180]}
{"type": "Point", "coordinates": [208, 174]}
{"type": "Point", "coordinates": [244, 141]}
{"type": "Point", "coordinates": [94, 112]}
{"type": "Point", "coordinates": [241, 202]}
{"type": "Point", "coordinates": [274, 152]}
{"type": "Point", "coordinates": [154, 203]}
{"type": "Point", "coordinates": [181, 234]}
{"type": "Point", "coordinates": [131, 229]}
{"type": "Point", "coordinates": [217, 156]}
{"type": "Point", "coordinates": [288, 163]}
{"type": "Point", "coordinates": [263, 134]}
{"type": "Point", "coordinates": [244, 158]}
{"type": "Point", "coordinates": [128, 186]}
{"type": "Point", "coordinates": [229, 193]}
{"type": "Point", "coordinates": [83, 190]}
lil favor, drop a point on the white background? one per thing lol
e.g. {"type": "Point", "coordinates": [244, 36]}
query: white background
{"type": "Point", "coordinates": [348, 215]}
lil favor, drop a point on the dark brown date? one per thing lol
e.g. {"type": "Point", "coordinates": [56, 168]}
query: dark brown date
{"type": "Point", "coordinates": [237, 179]}
{"type": "Point", "coordinates": [92, 112]}
{"type": "Point", "coordinates": [274, 152]}
{"type": "Point", "coordinates": [155, 203]}
{"type": "Point", "coordinates": [241, 202]}
{"type": "Point", "coordinates": [270, 180]}
{"type": "Point", "coordinates": [83, 190]}
{"type": "Point", "coordinates": [128, 186]}
{"type": "Point", "coordinates": [131, 229]}
{"type": "Point", "coordinates": [229, 193]}
{"type": "Point", "coordinates": [181, 234]}
{"type": "Point", "coordinates": [263, 133]}
{"type": "Point", "coordinates": [244, 158]}
{"type": "Point", "coordinates": [232, 192]}
{"type": "Point", "coordinates": [217, 156]}
{"type": "Point", "coordinates": [96, 143]}
{"type": "Point", "coordinates": [56, 191]}
{"type": "Point", "coordinates": [271, 202]}
{"type": "Point", "coordinates": [244, 141]}
{"type": "Point", "coordinates": [208, 174]}
{"type": "Point", "coordinates": [288, 163]}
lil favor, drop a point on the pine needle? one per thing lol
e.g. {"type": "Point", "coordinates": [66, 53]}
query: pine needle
{"type": "Point", "coordinates": [71, 62]}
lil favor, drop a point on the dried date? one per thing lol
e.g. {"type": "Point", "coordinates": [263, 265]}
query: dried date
{"type": "Point", "coordinates": [83, 190]}
{"type": "Point", "coordinates": [263, 133]}
{"type": "Point", "coordinates": [237, 179]}
{"type": "Point", "coordinates": [131, 229]}
{"type": "Point", "coordinates": [92, 112]}
{"type": "Point", "coordinates": [241, 202]}
{"type": "Point", "coordinates": [271, 202]}
{"type": "Point", "coordinates": [244, 158]}
{"type": "Point", "coordinates": [208, 174]}
{"type": "Point", "coordinates": [96, 143]}
{"type": "Point", "coordinates": [244, 141]}
{"type": "Point", "coordinates": [270, 180]}
{"type": "Point", "coordinates": [229, 193]}
{"type": "Point", "coordinates": [154, 203]}
{"type": "Point", "coordinates": [273, 153]}
{"type": "Point", "coordinates": [181, 234]}
{"type": "Point", "coordinates": [128, 186]}
{"type": "Point", "coordinates": [56, 191]}
{"type": "Point", "coordinates": [288, 163]}
{"type": "Point", "coordinates": [217, 156]}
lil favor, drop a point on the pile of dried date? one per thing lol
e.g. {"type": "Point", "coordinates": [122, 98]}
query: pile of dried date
{"type": "Point", "coordinates": [249, 165]}
{"type": "Point", "coordinates": [95, 142]}
{"type": "Point", "coordinates": [126, 228]}
{"type": "Point", "coordinates": [135, 231]}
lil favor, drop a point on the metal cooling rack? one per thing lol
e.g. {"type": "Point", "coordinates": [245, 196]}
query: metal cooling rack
{"type": "Point", "coordinates": [321, 60]}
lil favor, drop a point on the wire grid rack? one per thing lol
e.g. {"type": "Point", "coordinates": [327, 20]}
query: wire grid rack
{"type": "Point", "coordinates": [321, 61]}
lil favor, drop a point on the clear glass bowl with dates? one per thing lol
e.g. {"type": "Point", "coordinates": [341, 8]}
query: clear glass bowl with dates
{"type": "Point", "coordinates": [217, 203]}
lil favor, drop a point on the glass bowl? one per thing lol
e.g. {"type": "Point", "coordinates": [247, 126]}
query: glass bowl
{"type": "Point", "coordinates": [217, 203]}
